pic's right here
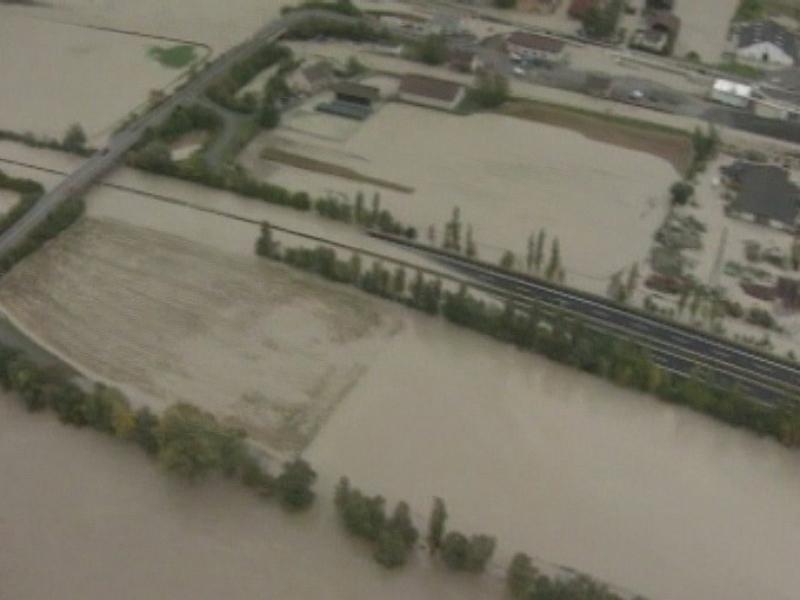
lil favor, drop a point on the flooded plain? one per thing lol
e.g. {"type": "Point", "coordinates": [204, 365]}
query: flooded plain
{"type": "Point", "coordinates": [510, 179]}
{"type": "Point", "coordinates": [84, 517]}
{"type": "Point", "coordinates": [571, 469]}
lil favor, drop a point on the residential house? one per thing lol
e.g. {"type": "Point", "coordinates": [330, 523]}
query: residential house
{"type": "Point", "coordinates": [429, 91]}
{"type": "Point", "coordinates": [766, 43]}
{"type": "Point", "coordinates": [535, 47]}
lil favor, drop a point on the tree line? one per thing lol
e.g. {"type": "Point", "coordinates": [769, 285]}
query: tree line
{"type": "Point", "coordinates": [73, 141]}
{"type": "Point", "coordinates": [154, 155]}
{"type": "Point", "coordinates": [185, 440]}
{"type": "Point", "coordinates": [224, 90]}
{"type": "Point", "coordinates": [554, 334]}
{"type": "Point", "coordinates": [30, 191]}
{"type": "Point", "coordinates": [55, 222]}
{"type": "Point", "coordinates": [190, 443]}
{"type": "Point", "coordinates": [358, 31]}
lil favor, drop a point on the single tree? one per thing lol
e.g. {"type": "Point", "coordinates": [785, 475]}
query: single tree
{"type": "Point", "coordinates": [75, 138]}
{"type": "Point", "coordinates": [471, 249]}
{"type": "Point", "coordinates": [436, 525]}
{"type": "Point", "coordinates": [455, 551]}
{"type": "Point", "coordinates": [507, 260]}
{"type": "Point", "coordinates": [294, 485]}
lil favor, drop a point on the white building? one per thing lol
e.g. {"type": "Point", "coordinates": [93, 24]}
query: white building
{"type": "Point", "coordinates": [731, 93]}
{"type": "Point", "coordinates": [766, 43]}
{"type": "Point", "coordinates": [531, 46]}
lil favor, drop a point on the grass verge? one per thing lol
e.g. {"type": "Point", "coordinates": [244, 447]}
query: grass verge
{"type": "Point", "coordinates": [176, 57]}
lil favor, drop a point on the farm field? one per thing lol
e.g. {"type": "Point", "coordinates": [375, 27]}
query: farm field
{"type": "Point", "coordinates": [85, 76]}
{"type": "Point", "coordinates": [509, 178]}
{"type": "Point", "coordinates": [218, 24]}
{"type": "Point", "coordinates": [247, 339]}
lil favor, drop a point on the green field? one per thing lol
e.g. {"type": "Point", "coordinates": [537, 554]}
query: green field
{"type": "Point", "coordinates": [175, 57]}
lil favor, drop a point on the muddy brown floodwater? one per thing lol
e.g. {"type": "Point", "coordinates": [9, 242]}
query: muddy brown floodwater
{"type": "Point", "coordinates": [562, 465]}
{"type": "Point", "coordinates": [82, 517]}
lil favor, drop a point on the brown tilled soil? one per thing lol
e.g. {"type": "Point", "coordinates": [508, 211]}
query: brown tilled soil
{"type": "Point", "coordinates": [674, 147]}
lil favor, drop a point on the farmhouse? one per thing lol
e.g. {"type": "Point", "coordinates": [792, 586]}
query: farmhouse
{"type": "Point", "coordinates": [731, 93]}
{"type": "Point", "coordinates": [766, 43]}
{"type": "Point", "coordinates": [428, 91]}
{"type": "Point", "coordinates": [765, 196]}
{"type": "Point", "coordinates": [532, 46]}
{"type": "Point", "coordinates": [352, 101]}
{"type": "Point", "coordinates": [312, 78]}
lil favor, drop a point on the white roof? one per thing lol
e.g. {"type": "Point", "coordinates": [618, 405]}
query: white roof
{"type": "Point", "coordinates": [731, 87]}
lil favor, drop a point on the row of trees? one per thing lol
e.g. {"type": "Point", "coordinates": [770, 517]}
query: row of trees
{"type": "Point", "coordinates": [224, 91]}
{"type": "Point", "coordinates": [73, 141]}
{"type": "Point", "coordinates": [55, 222]}
{"type": "Point", "coordinates": [559, 337]}
{"type": "Point", "coordinates": [392, 537]}
{"type": "Point", "coordinates": [343, 7]}
{"type": "Point", "coordinates": [526, 582]}
{"type": "Point", "coordinates": [705, 146]}
{"type": "Point", "coordinates": [154, 155]}
{"type": "Point", "coordinates": [30, 191]}
{"type": "Point", "coordinates": [187, 441]}
{"type": "Point", "coordinates": [358, 31]}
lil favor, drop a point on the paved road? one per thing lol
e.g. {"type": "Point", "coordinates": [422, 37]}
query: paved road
{"type": "Point", "coordinates": [103, 161]}
{"type": "Point", "coordinates": [674, 346]}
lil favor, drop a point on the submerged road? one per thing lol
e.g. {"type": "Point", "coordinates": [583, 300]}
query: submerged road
{"type": "Point", "coordinates": [676, 347]}
{"type": "Point", "coordinates": [100, 163]}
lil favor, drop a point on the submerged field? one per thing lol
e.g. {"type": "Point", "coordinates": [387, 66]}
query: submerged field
{"type": "Point", "coordinates": [509, 177]}
{"type": "Point", "coordinates": [86, 518]}
{"type": "Point", "coordinates": [180, 321]}
{"type": "Point", "coordinates": [562, 465]}
{"type": "Point", "coordinates": [83, 75]}
{"type": "Point", "coordinates": [215, 23]}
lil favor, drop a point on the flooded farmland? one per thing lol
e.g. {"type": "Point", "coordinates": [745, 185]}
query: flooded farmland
{"type": "Point", "coordinates": [564, 466]}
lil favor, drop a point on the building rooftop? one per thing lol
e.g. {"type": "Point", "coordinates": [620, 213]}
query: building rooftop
{"type": "Point", "coordinates": [765, 190]}
{"type": "Point", "coordinates": [536, 42]}
{"type": "Point", "coordinates": [348, 88]}
{"type": "Point", "coordinates": [422, 85]}
{"type": "Point", "coordinates": [767, 30]}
